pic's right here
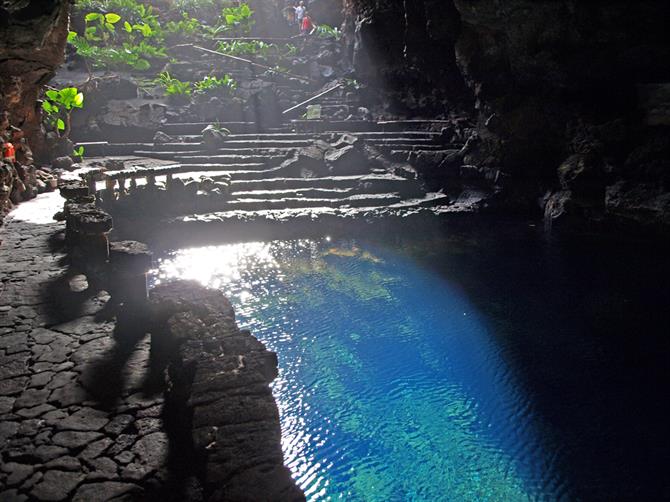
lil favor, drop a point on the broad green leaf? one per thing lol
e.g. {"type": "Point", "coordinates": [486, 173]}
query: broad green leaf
{"type": "Point", "coordinates": [46, 106]}
{"type": "Point", "coordinates": [68, 94]}
{"type": "Point", "coordinates": [52, 95]}
{"type": "Point", "coordinates": [71, 36]}
{"type": "Point", "coordinates": [112, 18]}
{"type": "Point", "coordinates": [230, 19]}
{"type": "Point", "coordinates": [109, 26]}
{"type": "Point", "coordinates": [60, 125]}
{"type": "Point", "coordinates": [79, 100]}
{"type": "Point", "coordinates": [127, 26]}
{"type": "Point", "coordinates": [92, 16]}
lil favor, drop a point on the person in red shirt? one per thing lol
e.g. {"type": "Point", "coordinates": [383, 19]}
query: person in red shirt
{"type": "Point", "coordinates": [307, 27]}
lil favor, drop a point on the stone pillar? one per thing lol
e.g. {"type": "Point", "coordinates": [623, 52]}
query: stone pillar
{"type": "Point", "coordinates": [75, 194]}
{"type": "Point", "coordinates": [92, 227]}
{"type": "Point", "coordinates": [130, 261]}
{"type": "Point", "coordinates": [122, 187]}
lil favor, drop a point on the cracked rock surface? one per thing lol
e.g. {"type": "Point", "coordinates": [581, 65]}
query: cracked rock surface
{"type": "Point", "coordinates": [76, 420]}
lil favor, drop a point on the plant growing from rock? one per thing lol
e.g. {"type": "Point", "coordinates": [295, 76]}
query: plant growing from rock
{"type": "Point", "coordinates": [78, 153]}
{"type": "Point", "coordinates": [58, 107]}
{"type": "Point", "coordinates": [100, 27]}
{"type": "Point", "coordinates": [211, 84]}
{"type": "Point", "coordinates": [186, 27]}
{"type": "Point", "coordinates": [235, 20]}
{"type": "Point", "coordinates": [325, 31]}
{"type": "Point", "coordinates": [176, 90]}
{"type": "Point", "coordinates": [106, 47]}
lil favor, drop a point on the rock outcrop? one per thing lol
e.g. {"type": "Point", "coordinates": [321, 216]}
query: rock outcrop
{"type": "Point", "coordinates": [33, 34]}
{"type": "Point", "coordinates": [570, 98]}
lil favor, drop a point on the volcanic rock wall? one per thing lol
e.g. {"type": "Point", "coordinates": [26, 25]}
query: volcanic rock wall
{"type": "Point", "coordinates": [33, 35]}
{"type": "Point", "coordinates": [570, 98]}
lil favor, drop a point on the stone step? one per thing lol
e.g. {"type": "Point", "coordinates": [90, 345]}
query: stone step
{"type": "Point", "coordinates": [357, 200]}
{"type": "Point", "coordinates": [182, 128]}
{"type": "Point", "coordinates": [229, 159]}
{"type": "Point", "coordinates": [175, 169]}
{"type": "Point", "coordinates": [198, 150]}
{"type": "Point", "coordinates": [323, 193]}
{"type": "Point", "coordinates": [313, 214]}
{"type": "Point", "coordinates": [404, 190]}
{"type": "Point", "coordinates": [390, 181]}
{"type": "Point", "coordinates": [247, 182]}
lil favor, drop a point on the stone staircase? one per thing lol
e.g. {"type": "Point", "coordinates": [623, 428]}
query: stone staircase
{"type": "Point", "coordinates": [340, 166]}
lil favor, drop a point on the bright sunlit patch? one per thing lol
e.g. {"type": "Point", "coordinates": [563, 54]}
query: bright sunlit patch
{"type": "Point", "coordinates": [215, 266]}
{"type": "Point", "coordinates": [40, 210]}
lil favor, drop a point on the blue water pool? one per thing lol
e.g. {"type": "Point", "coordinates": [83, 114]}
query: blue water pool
{"type": "Point", "coordinates": [435, 371]}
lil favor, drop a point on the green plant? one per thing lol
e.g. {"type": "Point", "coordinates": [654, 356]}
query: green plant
{"type": "Point", "coordinates": [209, 84]}
{"type": "Point", "coordinates": [325, 31]}
{"type": "Point", "coordinates": [58, 107]}
{"type": "Point", "coordinates": [186, 26]}
{"type": "Point", "coordinates": [78, 152]}
{"type": "Point", "coordinates": [351, 83]}
{"type": "Point", "coordinates": [132, 11]}
{"type": "Point", "coordinates": [101, 27]}
{"type": "Point", "coordinates": [202, 9]}
{"type": "Point", "coordinates": [235, 20]}
{"type": "Point", "coordinates": [95, 45]}
{"type": "Point", "coordinates": [256, 48]}
{"type": "Point", "coordinates": [173, 86]}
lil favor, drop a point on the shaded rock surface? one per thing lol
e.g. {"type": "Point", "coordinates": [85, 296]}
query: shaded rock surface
{"type": "Point", "coordinates": [33, 38]}
{"type": "Point", "coordinates": [545, 81]}
{"type": "Point", "coordinates": [224, 373]}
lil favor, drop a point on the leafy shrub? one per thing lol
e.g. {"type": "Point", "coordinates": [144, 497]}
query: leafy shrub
{"type": "Point", "coordinates": [105, 47]}
{"type": "Point", "coordinates": [78, 152]}
{"type": "Point", "coordinates": [236, 20]}
{"type": "Point", "coordinates": [132, 11]}
{"type": "Point", "coordinates": [173, 86]}
{"type": "Point", "coordinates": [209, 84]}
{"type": "Point", "coordinates": [256, 48]}
{"type": "Point", "coordinates": [187, 26]}
{"type": "Point", "coordinates": [58, 107]}
{"type": "Point", "coordinates": [325, 31]}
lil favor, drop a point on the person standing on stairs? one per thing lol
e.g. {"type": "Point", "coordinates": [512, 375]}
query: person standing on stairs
{"type": "Point", "coordinates": [289, 12]}
{"type": "Point", "coordinates": [300, 14]}
{"type": "Point", "coordinates": [307, 27]}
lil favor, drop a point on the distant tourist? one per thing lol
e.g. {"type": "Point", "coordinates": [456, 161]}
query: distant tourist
{"type": "Point", "coordinates": [289, 14]}
{"type": "Point", "coordinates": [307, 26]}
{"type": "Point", "coordinates": [300, 10]}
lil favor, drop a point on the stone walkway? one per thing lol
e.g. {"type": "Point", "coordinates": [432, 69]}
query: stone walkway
{"type": "Point", "coordinates": [79, 416]}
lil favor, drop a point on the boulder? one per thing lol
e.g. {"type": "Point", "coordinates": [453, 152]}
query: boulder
{"type": "Point", "coordinates": [64, 163]}
{"type": "Point", "coordinates": [214, 137]}
{"type": "Point", "coordinates": [161, 138]}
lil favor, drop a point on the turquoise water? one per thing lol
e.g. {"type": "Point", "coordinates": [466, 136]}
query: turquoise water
{"type": "Point", "coordinates": [398, 384]}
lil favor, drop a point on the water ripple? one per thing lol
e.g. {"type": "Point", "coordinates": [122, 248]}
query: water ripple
{"type": "Point", "coordinates": [390, 385]}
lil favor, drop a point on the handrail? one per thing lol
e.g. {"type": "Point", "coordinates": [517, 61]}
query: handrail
{"type": "Point", "coordinates": [313, 98]}
{"type": "Point", "coordinates": [236, 58]}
